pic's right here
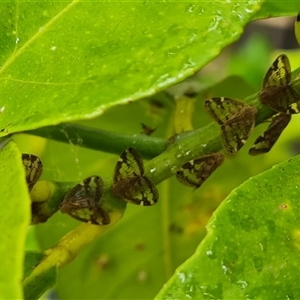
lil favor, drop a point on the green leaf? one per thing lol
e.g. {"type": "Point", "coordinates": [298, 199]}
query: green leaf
{"type": "Point", "coordinates": [14, 219]}
{"type": "Point", "coordinates": [279, 8]}
{"type": "Point", "coordinates": [252, 246]}
{"type": "Point", "coordinates": [42, 283]}
{"type": "Point", "coordinates": [72, 60]}
{"type": "Point", "coordinates": [32, 258]}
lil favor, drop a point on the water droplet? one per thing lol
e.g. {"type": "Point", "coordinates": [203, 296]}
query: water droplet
{"type": "Point", "coordinates": [181, 277]}
{"type": "Point", "coordinates": [193, 38]}
{"type": "Point", "coordinates": [2, 109]}
{"type": "Point", "coordinates": [189, 64]}
{"type": "Point", "coordinates": [215, 23]}
{"type": "Point", "coordinates": [53, 48]}
{"type": "Point", "coordinates": [242, 284]}
{"type": "Point", "coordinates": [167, 163]}
{"type": "Point", "coordinates": [17, 40]}
{"type": "Point", "coordinates": [174, 169]}
{"type": "Point", "coordinates": [210, 252]}
{"type": "Point", "coordinates": [225, 269]}
{"type": "Point", "coordinates": [247, 10]}
{"type": "Point", "coordinates": [187, 152]}
{"type": "Point", "coordinates": [212, 291]}
{"type": "Point", "coordinates": [191, 8]}
{"type": "Point", "coordinates": [152, 170]}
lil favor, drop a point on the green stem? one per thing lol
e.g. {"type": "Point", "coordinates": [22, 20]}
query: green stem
{"type": "Point", "coordinates": [68, 247]}
{"type": "Point", "coordinates": [102, 140]}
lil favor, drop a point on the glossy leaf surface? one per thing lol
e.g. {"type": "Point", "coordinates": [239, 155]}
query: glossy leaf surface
{"type": "Point", "coordinates": [252, 245]}
{"type": "Point", "coordinates": [14, 219]}
{"type": "Point", "coordinates": [63, 61]}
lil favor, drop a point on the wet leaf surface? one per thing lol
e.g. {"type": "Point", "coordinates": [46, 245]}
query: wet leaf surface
{"type": "Point", "coordinates": [77, 59]}
{"type": "Point", "coordinates": [252, 246]}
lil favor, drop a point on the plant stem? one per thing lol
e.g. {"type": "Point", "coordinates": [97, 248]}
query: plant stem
{"type": "Point", "coordinates": [68, 247]}
{"type": "Point", "coordinates": [102, 140]}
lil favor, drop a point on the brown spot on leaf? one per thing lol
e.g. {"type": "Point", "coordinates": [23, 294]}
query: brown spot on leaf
{"type": "Point", "coordinates": [283, 206]}
{"type": "Point", "coordinates": [140, 246]}
{"type": "Point", "coordinates": [103, 262]}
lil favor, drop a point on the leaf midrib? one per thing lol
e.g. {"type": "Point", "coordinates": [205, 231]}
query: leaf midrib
{"type": "Point", "coordinates": [39, 33]}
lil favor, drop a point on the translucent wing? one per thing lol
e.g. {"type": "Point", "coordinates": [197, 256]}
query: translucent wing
{"type": "Point", "coordinates": [33, 168]}
{"type": "Point", "coordinates": [283, 99]}
{"type": "Point", "coordinates": [129, 165]}
{"type": "Point", "coordinates": [97, 217]}
{"type": "Point", "coordinates": [129, 182]}
{"type": "Point", "coordinates": [222, 109]}
{"type": "Point", "coordinates": [265, 142]}
{"type": "Point", "coordinates": [83, 202]}
{"type": "Point", "coordinates": [236, 131]}
{"type": "Point", "coordinates": [195, 172]}
{"type": "Point", "coordinates": [140, 190]}
{"type": "Point", "coordinates": [276, 91]}
{"type": "Point", "coordinates": [279, 73]}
